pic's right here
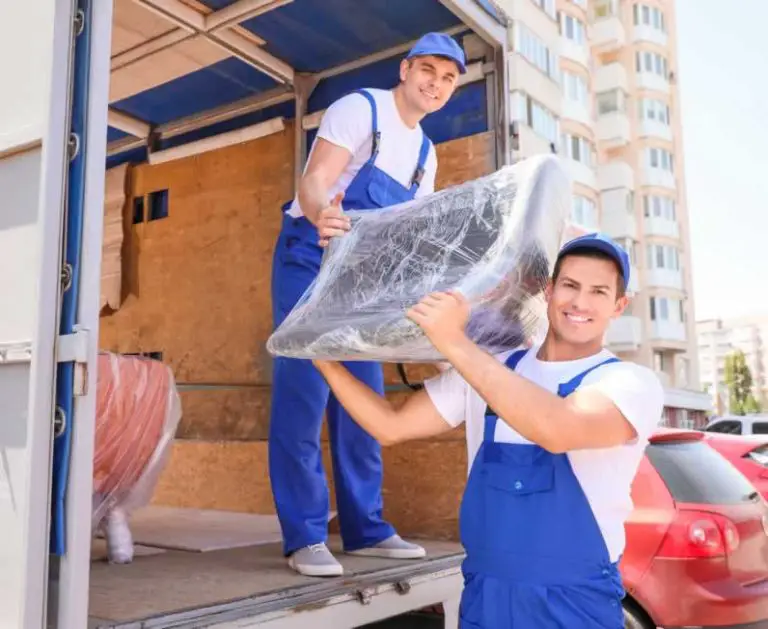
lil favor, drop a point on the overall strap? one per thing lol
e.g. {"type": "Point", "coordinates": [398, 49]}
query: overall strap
{"type": "Point", "coordinates": [566, 388]}
{"type": "Point", "coordinates": [418, 174]}
{"type": "Point", "coordinates": [490, 415]}
{"type": "Point", "coordinates": [375, 133]}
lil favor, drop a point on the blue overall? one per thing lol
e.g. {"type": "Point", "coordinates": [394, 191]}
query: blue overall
{"type": "Point", "coordinates": [535, 556]}
{"type": "Point", "coordinates": [300, 394]}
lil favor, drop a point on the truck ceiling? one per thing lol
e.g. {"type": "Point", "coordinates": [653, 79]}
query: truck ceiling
{"type": "Point", "coordinates": [183, 70]}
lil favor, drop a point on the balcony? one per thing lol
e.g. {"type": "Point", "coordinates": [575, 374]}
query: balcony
{"type": "Point", "coordinates": [616, 175]}
{"type": "Point", "coordinates": [613, 129]}
{"type": "Point", "coordinates": [668, 331]}
{"type": "Point", "coordinates": [655, 226]}
{"type": "Point", "coordinates": [574, 110]}
{"type": "Point", "coordinates": [659, 178]}
{"type": "Point", "coordinates": [575, 52]}
{"type": "Point", "coordinates": [664, 278]}
{"type": "Point", "coordinates": [531, 143]}
{"type": "Point", "coordinates": [609, 77]}
{"type": "Point", "coordinates": [652, 129]}
{"type": "Point", "coordinates": [580, 173]}
{"type": "Point", "coordinates": [625, 334]}
{"type": "Point", "coordinates": [528, 78]}
{"type": "Point", "coordinates": [652, 81]}
{"type": "Point", "coordinates": [608, 34]}
{"type": "Point", "coordinates": [645, 33]}
{"type": "Point", "coordinates": [634, 280]}
{"type": "Point", "coordinates": [618, 215]}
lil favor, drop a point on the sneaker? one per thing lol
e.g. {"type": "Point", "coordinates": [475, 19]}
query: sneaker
{"type": "Point", "coordinates": [392, 548]}
{"type": "Point", "coordinates": [315, 561]}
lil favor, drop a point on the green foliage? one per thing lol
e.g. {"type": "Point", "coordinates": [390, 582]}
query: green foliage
{"type": "Point", "coordinates": [738, 379]}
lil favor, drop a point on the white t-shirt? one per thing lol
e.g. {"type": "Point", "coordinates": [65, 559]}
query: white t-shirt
{"type": "Point", "coordinates": [348, 123]}
{"type": "Point", "coordinates": [605, 474]}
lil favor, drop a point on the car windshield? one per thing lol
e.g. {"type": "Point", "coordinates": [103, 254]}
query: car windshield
{"type": "Point", "coordinates": [695, 473]}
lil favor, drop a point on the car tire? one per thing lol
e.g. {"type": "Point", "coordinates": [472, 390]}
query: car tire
{"type": "Point", "coordinates": [633, 619]}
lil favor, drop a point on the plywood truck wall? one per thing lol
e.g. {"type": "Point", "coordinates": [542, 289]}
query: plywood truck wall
{"type": "Point", "coordinates": [196, 287]}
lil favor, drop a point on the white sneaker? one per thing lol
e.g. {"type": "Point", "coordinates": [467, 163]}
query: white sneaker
{"type": "Point", "coordinates": [392, 548]}
{"type": "Point", "coordinates": [315, 561]}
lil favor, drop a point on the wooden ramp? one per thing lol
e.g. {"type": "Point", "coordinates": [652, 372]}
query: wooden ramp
{"type": "Point", "coordinates": [191, 589]}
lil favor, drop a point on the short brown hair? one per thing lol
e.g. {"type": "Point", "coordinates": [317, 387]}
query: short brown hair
{"type": "Point", "coordinates": [595, 254]}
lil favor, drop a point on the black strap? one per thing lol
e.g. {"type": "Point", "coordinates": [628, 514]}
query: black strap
{"type": "Point", "coordinates": [404, 378]}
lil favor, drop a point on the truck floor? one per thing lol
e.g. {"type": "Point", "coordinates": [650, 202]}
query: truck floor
{"type": "Point", "coordinates": [175, 588]}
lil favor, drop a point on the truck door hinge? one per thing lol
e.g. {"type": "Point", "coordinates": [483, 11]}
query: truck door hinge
{"type": "Point", "coordinates": [73, 348]}
{"type": "Point", "coordinates": [16, 352]}
{"type": "Point", "coordinates": [78, 22]}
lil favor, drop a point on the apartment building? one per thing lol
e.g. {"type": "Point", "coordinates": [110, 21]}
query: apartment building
{"type": "Point", "coordinates": [718, 338]}
{"type": "Point", "coordinates": [595, 82]}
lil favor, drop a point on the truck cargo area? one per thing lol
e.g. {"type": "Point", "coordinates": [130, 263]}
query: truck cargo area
{"type": "Point", "coordinates": [251, 586]}
{"type": "Point", "coordinates": [211, 107]}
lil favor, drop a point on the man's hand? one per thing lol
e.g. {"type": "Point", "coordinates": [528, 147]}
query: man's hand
{"type": "Point", "coordinates": [443, 317]}
{"type": "Point", "coordinates": [331, 221]}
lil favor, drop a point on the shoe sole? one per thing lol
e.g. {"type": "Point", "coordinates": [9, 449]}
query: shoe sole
{"type": "Point", "coordinates": [390, 553]}
{"type": "Point", "coordinates": [317, 571]}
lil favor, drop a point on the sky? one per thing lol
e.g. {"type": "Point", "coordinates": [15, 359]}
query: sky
{"type": "Point", "coordinates": [722, 55]}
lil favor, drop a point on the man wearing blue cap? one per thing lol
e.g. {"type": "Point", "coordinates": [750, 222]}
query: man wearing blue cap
{"type": "Point", "coordinates": [370, 152]}
{"type": "Point", "coordinates": [555, 435]}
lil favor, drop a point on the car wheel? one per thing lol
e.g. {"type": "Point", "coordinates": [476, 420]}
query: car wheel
{"type": "Point", "coordinates": [633, 620]}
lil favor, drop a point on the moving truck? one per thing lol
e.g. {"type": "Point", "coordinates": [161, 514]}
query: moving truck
{"type": "Point", "coordinates": [146, 147]}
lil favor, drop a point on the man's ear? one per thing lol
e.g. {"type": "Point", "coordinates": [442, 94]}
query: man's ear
{"type": "Point", "coordinates": [405, 65]}
{"type": "Point", "coordinates": [548, 290]}
{"type": "Point", "coordinates": [621, 305]}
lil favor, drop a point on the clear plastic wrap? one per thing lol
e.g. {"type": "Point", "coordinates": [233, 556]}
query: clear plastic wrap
{"type": "Point", "coordinates": [138, 410]}
{"type": "Point", "coordinates": [495, 239]}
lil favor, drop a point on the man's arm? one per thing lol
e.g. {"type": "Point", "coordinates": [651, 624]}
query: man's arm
{"type": "Point", "coordinates": [326, 164]}
{"type": "Point", "coordinates": [418, 418]}
{"type": "Point", "coordinates": [586, 419]}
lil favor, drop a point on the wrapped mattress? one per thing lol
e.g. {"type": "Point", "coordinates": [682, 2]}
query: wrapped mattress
{"type": "Point", "coordinates": [495, 239]}
{"type": "Point", "coordinates": [137, 412]}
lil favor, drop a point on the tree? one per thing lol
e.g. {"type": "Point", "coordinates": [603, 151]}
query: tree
{"type": "Point", "coordinates": [738, 379]}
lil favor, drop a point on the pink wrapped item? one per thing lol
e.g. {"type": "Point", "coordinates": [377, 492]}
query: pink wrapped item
{"type": "Point", "coordinates": [137, 413]}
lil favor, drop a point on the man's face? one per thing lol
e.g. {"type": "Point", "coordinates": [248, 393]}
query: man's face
{"type": "Point", "coordinates": [583, 299]}
{"type": "Point", "coordinates": [428, 82]}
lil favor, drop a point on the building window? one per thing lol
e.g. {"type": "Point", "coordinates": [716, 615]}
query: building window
{"type": "Point", "coordinates": [575, 88]}
{"type": "Point", "coordinates": [645, 15]}
{"type": "Point", "coordinates": [536, 116]}
{"type": "Point", "coordinates": [573, 28]}
{"type": "Point", "coordinates": [614, 100]}
{"type": "Point", "coordinates": [664, 257]}
{"type": "Point", "coordinates": [534, 50]}
{"type": "Point", "coordinates": [659, 158]}
{"type": "Point", "coordinates": [666, 309]}
{"type": "Point", "coordinates": [653, 62]}
{"type": "Point", "coordinates": [658, 357]}
{"type": "Point", "coordinates": [653, 110]}
{"type": "Point", "coordinates": [580, 3]}
{"type": "Point", "coordinates": [548, 6]}
{"type": "Point", "coordinates": [655, 206]}
{"type": "Point", "coordinates": [584, 212]}
{"type": "Point", "coordinates": [578, 148]}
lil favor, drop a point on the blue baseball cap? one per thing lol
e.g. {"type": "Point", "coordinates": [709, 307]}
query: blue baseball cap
{"type": "Point", "coordinates": [600, 242]}
{"type": "Point", "coordinates": [440, 45]}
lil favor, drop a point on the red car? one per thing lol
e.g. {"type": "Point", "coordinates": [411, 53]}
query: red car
{"type": "Point", "coordinates": [697, 540]}
{"type": "Point", "coordinates": [749, 453]}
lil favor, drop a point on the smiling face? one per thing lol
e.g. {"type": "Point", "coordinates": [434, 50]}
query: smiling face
{"type": "Point", "coordinates": [428, 82]}
{"type": "Point", "coordinates": [586, 292]}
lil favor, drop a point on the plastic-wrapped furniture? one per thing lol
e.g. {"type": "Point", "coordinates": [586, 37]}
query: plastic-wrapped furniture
{"type": "Point", "coordinates": [495, 239]}
{"type": "Point", "coordinates": [137, 413]}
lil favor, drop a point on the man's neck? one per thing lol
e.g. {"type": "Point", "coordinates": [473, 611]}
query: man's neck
{"type": "Point", "coordinates": [556, 350]}
{"type": "Point", "coordinates": [410, 117]}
